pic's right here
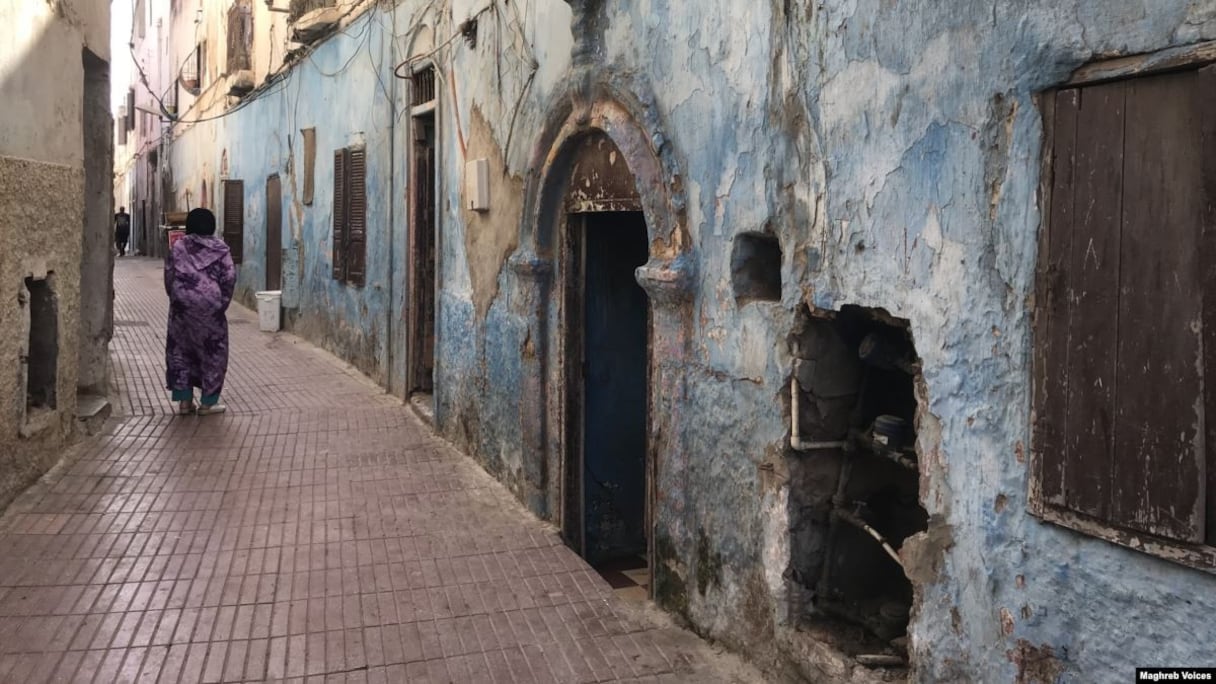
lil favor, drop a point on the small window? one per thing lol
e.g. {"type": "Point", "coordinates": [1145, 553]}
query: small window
{"type": "Point", "coordinates": [424, 86]}
{"type": "Point", "coordinates": [1125, 327]}
{"type": "Point", "coordinates": [200, 67]}
{"type": "Point", "coordinates": [350, 216]}
{"type": "Point", "coordinates": [310, 163]}
{"type": "Point", "coordinates": [234, 218]}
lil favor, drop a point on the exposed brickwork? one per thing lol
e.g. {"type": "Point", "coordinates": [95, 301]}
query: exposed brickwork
{"type": "Point", "coordinates": [317, 529]}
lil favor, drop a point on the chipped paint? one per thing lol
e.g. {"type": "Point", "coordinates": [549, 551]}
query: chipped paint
{"type": "Point", "coordinates": [893, 149]}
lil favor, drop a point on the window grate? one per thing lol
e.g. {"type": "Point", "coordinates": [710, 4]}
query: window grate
{"type": "Point", "coordinates": [424, 86]}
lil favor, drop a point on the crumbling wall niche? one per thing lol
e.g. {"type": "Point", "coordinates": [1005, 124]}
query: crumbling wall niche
{"type": "Point", "coordinates": [39, 369]}
{"type": "Point", "coordinates": [854, 481]}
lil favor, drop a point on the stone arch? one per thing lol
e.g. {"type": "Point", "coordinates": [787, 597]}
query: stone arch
{"type": "Point", "coordinates": [632, 127]}
{"type": "Point", "coordinates": [668, 277]}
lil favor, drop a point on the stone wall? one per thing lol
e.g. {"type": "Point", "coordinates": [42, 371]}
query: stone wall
{"type": "Point", "coordinates": [55, 145]}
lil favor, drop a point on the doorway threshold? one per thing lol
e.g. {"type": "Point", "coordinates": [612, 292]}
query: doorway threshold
{"type": "Point", "coordinates": [423, 404]}
{"type": "Point", "coordinates": [628, 577]}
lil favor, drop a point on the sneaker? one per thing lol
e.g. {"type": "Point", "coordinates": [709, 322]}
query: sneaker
{"type": "Point", "coordinates": [214, 408]}
{"type": "Point", "coordinates": [185, 408]}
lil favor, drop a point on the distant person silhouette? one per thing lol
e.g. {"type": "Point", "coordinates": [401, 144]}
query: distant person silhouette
{"type": "Point", "coordinates": [122, 230]}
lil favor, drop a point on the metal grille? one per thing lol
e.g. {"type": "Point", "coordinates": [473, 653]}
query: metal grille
{"type": "Point", "coordinates": [424, 86]}
{"type": "Point", "coordinates": [299, 8]}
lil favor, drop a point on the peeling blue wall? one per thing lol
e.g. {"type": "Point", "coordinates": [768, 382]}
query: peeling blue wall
{"type": "Point", "coordinates": [345, 90]}
{"type": "Point", "coordinates": [894, 148]}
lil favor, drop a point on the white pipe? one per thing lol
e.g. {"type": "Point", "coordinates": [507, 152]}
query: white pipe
{"type": "Point", "coordinates": [796, 442]}
{"type": "Point", "coordinates": [856, 521]}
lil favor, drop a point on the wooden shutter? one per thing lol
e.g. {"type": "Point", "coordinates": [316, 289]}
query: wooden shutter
{"type": "Point", "coordinates": [1120, 402]}
{"type": "Point", "coordinates": [240, 36]}
{"type": "Point", "coordinates": [339, 249]}
{"type": "Point", "coordinates": [234, 218]}
{"type": "Point", "coordinates": [1205, 104]}
{"type": "Point", "coordinates": [356, 238]}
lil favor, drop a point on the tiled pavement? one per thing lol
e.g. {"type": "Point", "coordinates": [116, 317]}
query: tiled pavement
{"type": "Point", "coordinates": [316, 530]}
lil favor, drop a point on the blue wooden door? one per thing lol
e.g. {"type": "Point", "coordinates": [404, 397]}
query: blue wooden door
{"type": "Point", "coordinates": [616, 330]}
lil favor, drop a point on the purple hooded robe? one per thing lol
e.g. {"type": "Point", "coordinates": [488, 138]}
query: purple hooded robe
{"type": "Point", "coordinates": [199, 279]}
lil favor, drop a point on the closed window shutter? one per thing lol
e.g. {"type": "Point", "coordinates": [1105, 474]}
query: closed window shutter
{"type": "Point", "coordinates": [240, 35]}
{"type": "Point", "coordinates": [339, 249]}
{"type": "Point", "coordinates": [234, 218]}
{"type": "Point", "coordinates": [1121, 401]}
{"type": "Point", "coordinates": [356, 244]}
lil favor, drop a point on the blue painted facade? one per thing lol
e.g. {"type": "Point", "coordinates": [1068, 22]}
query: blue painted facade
{"type": "Point", "coordinates": [895, 151]}
{"type": "Point", "coordinates": [345, 90]}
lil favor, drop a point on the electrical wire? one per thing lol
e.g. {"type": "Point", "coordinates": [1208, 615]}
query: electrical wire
{"type": "Point", "coordinates": [261, 91]}
{"type": "Point", "coordinates": [459, 32]}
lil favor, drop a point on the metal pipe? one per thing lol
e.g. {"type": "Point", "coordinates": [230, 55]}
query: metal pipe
{"type": "Point", "coordinates": [796, 442]}
{"type": "Point", "coordinates": [856, 521]}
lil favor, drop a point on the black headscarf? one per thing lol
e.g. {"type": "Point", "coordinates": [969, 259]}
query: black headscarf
{"type": "Point", "coordinates": [200, 222]}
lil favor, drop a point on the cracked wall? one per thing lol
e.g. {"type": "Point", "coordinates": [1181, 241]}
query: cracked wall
{"type": "Point", "coordinates": [265, 137]}
{"type": "Point", "coordinates": [894, 150]}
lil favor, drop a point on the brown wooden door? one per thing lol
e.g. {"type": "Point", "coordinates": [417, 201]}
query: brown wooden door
{"type": "Point", "coordinates": [423, 243]}
{"type": "Point", "coordinates": [274, 233]}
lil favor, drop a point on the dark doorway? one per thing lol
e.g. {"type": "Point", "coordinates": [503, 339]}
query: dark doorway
{"type": "Point", "coordinates": [42, 356]}
{"type": "Point", "coordinates": [274, 233]}
{"type": "Point", "coordinates": [422, 258]}
{"type": "Point", "coordinates": [607, 479]}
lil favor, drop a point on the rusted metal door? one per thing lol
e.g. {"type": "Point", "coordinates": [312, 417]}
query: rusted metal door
{"type": "Point", "coordinates": [274, 233]}
{"type": "Point", "coordinates": [423, 243]}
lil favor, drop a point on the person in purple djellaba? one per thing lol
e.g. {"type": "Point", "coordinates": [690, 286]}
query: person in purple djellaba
{"type": "Point", "coordinates": [199, 279]}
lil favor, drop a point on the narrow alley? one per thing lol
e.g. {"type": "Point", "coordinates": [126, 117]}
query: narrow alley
{"type": "Point", "coordinates": [317, 529]}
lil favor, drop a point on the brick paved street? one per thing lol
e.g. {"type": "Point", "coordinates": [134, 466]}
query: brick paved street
{"type": "Point", "coordinates": [316, 530]}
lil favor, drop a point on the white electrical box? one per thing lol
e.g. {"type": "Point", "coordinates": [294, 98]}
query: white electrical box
{"type": "Point", "coordinates": [477, 185]}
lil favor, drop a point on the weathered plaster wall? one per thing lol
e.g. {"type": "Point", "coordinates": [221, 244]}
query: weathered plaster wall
{"type": "Point", "coordinates": [346, 91]}
{"type": "Point", "coordinates": [42, 202]}
{"type": "Point", "coordinates": [496, 101]}
{"type": "Point", "coordinates": [97, 251]}
{"type": "Point", "coordinates": [894, 148]}
{"type": "Point", "coordinates": [37, 239]}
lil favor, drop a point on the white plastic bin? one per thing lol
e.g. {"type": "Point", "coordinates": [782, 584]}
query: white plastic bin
{"type": "Point", "coordinates": [269, 302]}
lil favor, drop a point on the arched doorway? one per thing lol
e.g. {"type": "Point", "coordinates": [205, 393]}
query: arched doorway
{"type": "Point", "coordinates": [606, 319]}
{"type": "Point", "coordinates": [633, 193]}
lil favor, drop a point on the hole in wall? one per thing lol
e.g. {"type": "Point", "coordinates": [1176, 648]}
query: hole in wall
{"type": "Point", "coordinates": [42, 356]}
{"type": "Point", "coordinates": [755, 268]}
{"type": "Point", "coordinates": [468, 29]}
{"type": "Point", "coordinates": [854, 483]}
